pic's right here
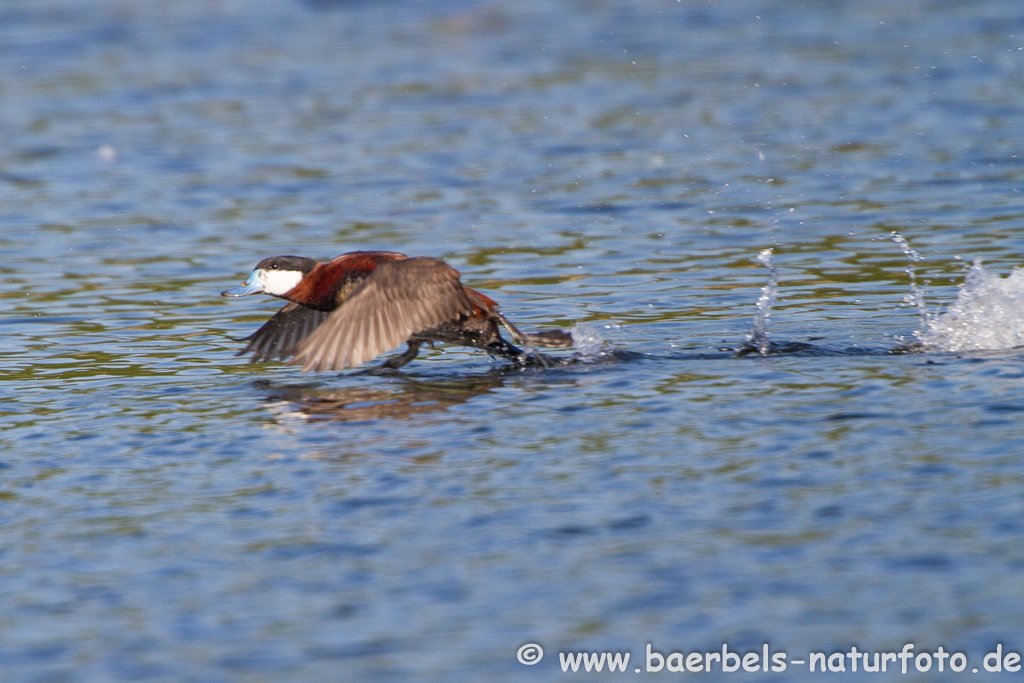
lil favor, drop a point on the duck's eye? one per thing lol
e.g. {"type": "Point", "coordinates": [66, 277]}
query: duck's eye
{"type": "Point", "coordinates": [273, 266]}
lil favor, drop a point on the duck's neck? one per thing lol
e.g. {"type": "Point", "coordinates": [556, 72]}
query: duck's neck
{"type": "Point", "coordinates": [328, 285]}
{"type": "Point", "coordinates": [316, 290]}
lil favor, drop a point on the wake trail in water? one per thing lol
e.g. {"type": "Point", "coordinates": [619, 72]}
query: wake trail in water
{"type": "Point", "coordinates": [988, 314]}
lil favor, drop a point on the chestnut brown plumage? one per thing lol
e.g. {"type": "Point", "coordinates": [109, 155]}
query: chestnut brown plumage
{"type": "Point", "coordinates": [346, 312]}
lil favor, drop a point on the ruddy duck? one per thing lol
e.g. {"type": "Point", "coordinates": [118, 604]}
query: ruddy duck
{"type": "Point", "coordinates": [364, 303]}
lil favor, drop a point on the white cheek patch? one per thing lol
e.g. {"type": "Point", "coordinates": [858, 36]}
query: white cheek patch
{"type": "Point", "coordinates": [278, 282]}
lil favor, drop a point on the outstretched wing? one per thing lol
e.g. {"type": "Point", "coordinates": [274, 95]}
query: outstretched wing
{"type": "Point", "coordinates": [398, 299]}
{"type": "Point", "coordinates": [280, 335]}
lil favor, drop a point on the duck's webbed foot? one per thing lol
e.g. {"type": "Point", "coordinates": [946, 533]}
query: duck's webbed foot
{"type": "Point", "coordinates": [396, 362]}
{"type": "Point", "coordinates": [503, 349]}
{"type": "Point", "coordinates": [555, 339]}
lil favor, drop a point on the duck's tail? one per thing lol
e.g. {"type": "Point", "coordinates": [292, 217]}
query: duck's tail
{"type": "Point", "coordinates": [551, 339]}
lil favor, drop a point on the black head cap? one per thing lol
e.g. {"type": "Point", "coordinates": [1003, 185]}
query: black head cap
{"type": "Point", "coordinates": [299, 263]}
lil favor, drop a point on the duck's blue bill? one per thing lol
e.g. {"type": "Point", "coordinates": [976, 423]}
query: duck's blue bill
{"type": "Point", "coordinates": [252, 285]}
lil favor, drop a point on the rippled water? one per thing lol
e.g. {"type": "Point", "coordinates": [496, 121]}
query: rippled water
{"type": "Point", "coordinates": [170, 512]}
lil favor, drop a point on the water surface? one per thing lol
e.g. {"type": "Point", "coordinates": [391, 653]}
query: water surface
{"type": "Point", "coordinates": [171, 512]}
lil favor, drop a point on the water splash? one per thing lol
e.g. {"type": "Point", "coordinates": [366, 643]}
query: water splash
{"type": "Point", "coordinates": [589, 340]}
{"type": "Point", "coordinates": [988, 314]}
{"type": "Point", "coordinates": [757, 340]}
{"type": "Point", "coordinates": [916, 296]}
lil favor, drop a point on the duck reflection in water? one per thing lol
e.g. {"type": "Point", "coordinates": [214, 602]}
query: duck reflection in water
{"type": "Point", "coordinates": [405, 398]}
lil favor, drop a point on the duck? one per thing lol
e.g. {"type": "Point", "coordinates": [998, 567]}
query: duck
{"type": "Point", "coordinates": [348, 311]}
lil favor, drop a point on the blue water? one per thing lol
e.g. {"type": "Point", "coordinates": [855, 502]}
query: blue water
{"type": "Point", "coordinates": [170, 512]}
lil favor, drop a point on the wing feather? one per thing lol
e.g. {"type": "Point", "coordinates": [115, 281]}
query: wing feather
{"type": "Point", "coordinates": [398, 299]}
{"type": "Point", "coordinates": [279, 336]}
